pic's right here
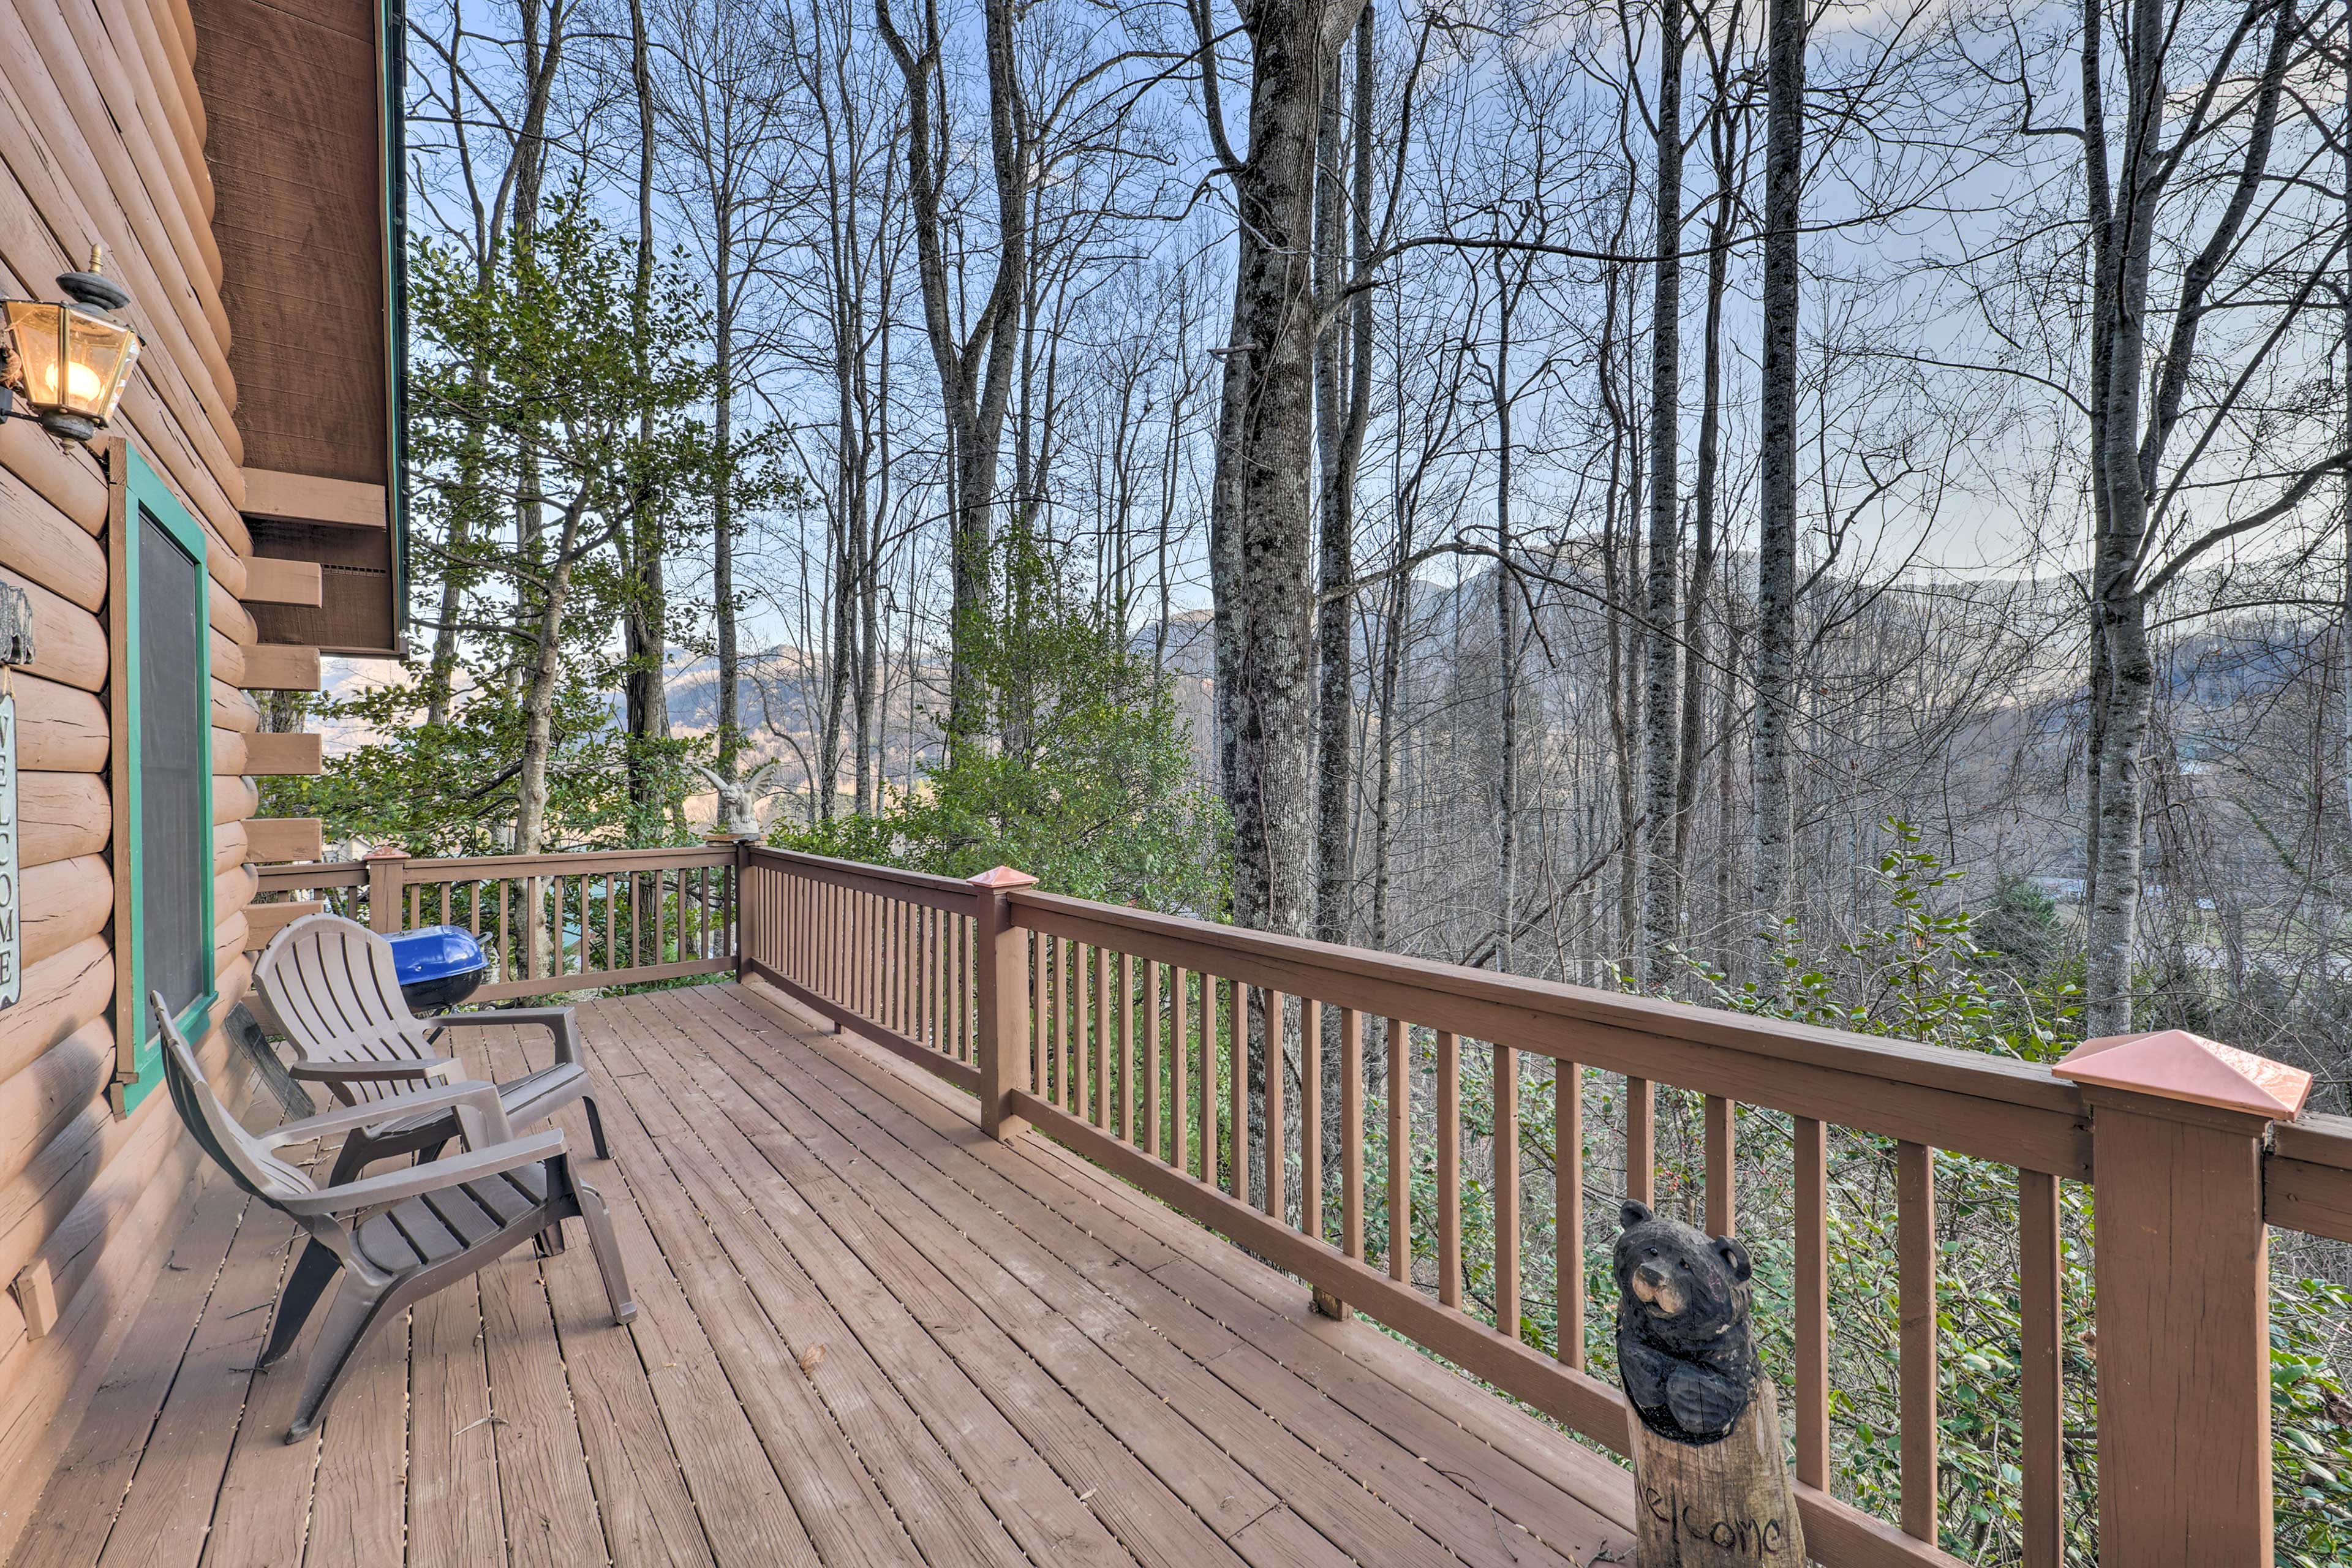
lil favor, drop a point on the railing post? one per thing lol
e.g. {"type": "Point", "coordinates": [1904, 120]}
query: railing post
{"type": "Point", "coordinates": [739, 919]}
{"type": "Point", "coordinates": [1002, 1001]}
{"type": "Point", "coordinates": [387, 869]}
{"type": "Point", "coordinates": [2179, 1124]}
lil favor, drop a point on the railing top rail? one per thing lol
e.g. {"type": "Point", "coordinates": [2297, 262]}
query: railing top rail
{"type": "Point", "coordinates": [921, 887]}
{"type": "Point", "coordinates": [477, 868]}
{"type": "Point", "coordinates": [2316, 1141]}
{"type": "Point", "coordinates": [313, 874]}
{"type": "Point", "coordinates": [2307, 1181]}
{"type": "Point", "coordinates": [1985, 1105]}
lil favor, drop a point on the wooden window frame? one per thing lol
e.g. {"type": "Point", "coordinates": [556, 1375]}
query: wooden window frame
{"type": "Point", "coordinates": [133, 486]}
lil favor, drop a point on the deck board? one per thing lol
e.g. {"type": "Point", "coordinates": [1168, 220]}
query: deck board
{"type": "Point", "coordinates": [1365, 1432]}
{"type": "Point", "coordinates": [1227, 1388]}
{"type": "Point", "coordinates": [1011, 1358]}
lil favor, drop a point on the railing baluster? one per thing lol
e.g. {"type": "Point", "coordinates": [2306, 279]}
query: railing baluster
{"type": "Point", "coordinates": [931, 983]}
{"type": "Point", "coordinates": [416, 891]}
{"type": "Point", "coordinates": [1811, 1286]}
{"type": "Point", "coordinates": [961, 971]}
{"type": "Point", "coordinates": [1041, 1016]}
{"type": "Point", "coordinates": [1449, 1168]}
{"type": "Point", "coordinates": [1310, 1117]}
{"type": "Point", "coordinates": [942, 981]}
{"type": "Point", "coordinates": [1207, 1075]}
{"type": "Point", "coordinates": [1277, 1147]}
{"type": "Point", "coordinates": [1152, 1142]}
{"type": "Point", "coordinates": [1127, 1046]}
{"type": "Point", "coordinates": [1081, 1032]}
{"type": "Point", "coordinates": [1236, 1053]}
{"type": "Point", "coordinates": [1722, 1201]}
{"type": "Point", "coordinates": [827, 936]}
{"type": "Point", "coordinates": [1400, 1045]}
{"type": "Point", "coordinates": [854, 953]}
{"type": "Point", "coordinates": [1179, 1047]}
{"type": "Point", "coordinates": [1506, 1190]}
{"type": "Point", "coordinates": [1915, 1248]}
{"type": "Point", "coordinates": [1568, 1209]}
{"type": "Point", "coordinates": [506, 957]}
{"type": "Point", "coordinates": [2040, 1372]}
{"type": "Point", "coordinates": [1351, 1132]}
{"type": "Point", "coordinates": [1102, 1040]}
{"type": "Point", "coordinates": [1065, 971]}
{"type": "Point", "coordinates": [1640, 1140]}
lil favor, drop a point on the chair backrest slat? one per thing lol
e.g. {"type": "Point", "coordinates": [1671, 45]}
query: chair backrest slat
{"type": "Point", "coordinates": [333, 985]}
{"type": "Point", "coordinates": [248, 1163]}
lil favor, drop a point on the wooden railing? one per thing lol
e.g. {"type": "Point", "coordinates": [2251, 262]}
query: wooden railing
{"type": "Point", "coordinates": [1143, 1042]}
{"type": "Point", "coordinates": [550, 922]}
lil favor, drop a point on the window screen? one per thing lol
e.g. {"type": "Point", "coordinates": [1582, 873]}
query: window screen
{"type": "Point", "coordinates": [175, 719]}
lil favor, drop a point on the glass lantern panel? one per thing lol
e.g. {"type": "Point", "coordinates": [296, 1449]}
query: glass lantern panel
{"type": "Point", "coordinates": [122, 376]}
{"type": "Point", "coordinates": [33, 328]}
{"type": "Point", "coordinates": [94, 351]}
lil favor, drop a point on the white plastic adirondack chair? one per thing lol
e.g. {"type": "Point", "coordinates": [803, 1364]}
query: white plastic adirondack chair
{"type": "Point", "coordinates": [332, 982]}
{"type": "Point", "coordinates": [396, 1238]}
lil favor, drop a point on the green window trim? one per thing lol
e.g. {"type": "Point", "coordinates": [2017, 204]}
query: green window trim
{"type": "Point", "coordinates": [140, 1063]}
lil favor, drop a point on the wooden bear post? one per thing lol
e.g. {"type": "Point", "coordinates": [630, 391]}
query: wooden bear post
{"type": "Point", "coordinates": [1710, 1480]}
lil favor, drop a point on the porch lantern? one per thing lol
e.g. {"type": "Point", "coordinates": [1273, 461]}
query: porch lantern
{"type": "Point", "coordinates": [67, 362]}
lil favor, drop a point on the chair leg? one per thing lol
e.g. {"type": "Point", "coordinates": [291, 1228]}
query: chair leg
{"type": "Point", "coordinates": [595, 1127]}
{"type": "Point", "coordinates": [356, 1314]}
{"type": "Point", "coordinates": [606, 1248]}
{"type": "Point", "coordinates": [313, 1272]}
{"type": "Point", "coordinates": [356, 1154]}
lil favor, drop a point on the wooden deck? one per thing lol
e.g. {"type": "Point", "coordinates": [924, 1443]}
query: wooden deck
{"type": "Point", "coordinates": [868, 1335]}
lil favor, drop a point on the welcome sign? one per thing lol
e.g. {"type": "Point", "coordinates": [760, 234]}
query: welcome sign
{"type": "Point", "coordinates": [12, 926]}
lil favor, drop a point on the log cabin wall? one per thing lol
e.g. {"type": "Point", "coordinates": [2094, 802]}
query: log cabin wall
{"type": "Point", "coordinates": [102, 142]}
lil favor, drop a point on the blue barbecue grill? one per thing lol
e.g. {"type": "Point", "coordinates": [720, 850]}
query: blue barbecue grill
{"type": "Point", "coordinates": [438, 966]}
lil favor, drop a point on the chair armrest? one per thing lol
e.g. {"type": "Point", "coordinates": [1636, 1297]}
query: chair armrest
{"type": "Point", "coordinates": [482, 1099]}
{"type": "Point", "coordinates": [381, 1192]}
{"type": "Point", "coordinates": [417, 1069]}
{"type": "Point", "coordinates": [556, 1021]}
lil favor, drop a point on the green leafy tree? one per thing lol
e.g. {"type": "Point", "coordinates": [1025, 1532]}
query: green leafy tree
{"type": "Point", "coordinates": [537, 432]}
{"type": "Point", "coordinates": [1088, 784]}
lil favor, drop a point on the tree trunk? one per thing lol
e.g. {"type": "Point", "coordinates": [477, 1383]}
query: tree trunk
{"type": "Point", "coordinates": [1507, 646]}
{"type": "Point", "coordinates": [1688, 748]}
{"type": "Point", "coordinates": [539, 694]}
{"type": "Point", "coordinates": [1261, 507]}
{"type": "Point", "coordinates": [1770, 764]}
{"type": "Point", "coordinates": [1661, 709]}
{"type": "Point", "coordinates": [722, 506]}
{"type": "Point", "coordinates": [645, 619]}
{"type": "Point", "coordinates": [1343, 403]}
{"type": "Point", "coordinates": [976, 374]}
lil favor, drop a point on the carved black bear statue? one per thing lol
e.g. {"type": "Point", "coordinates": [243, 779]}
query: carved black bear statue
{"type": "Point", "coordinates": [1683, 1329]}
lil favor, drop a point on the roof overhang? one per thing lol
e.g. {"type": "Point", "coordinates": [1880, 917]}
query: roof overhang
{"type": "Point", "coordinates": [302, 100]}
